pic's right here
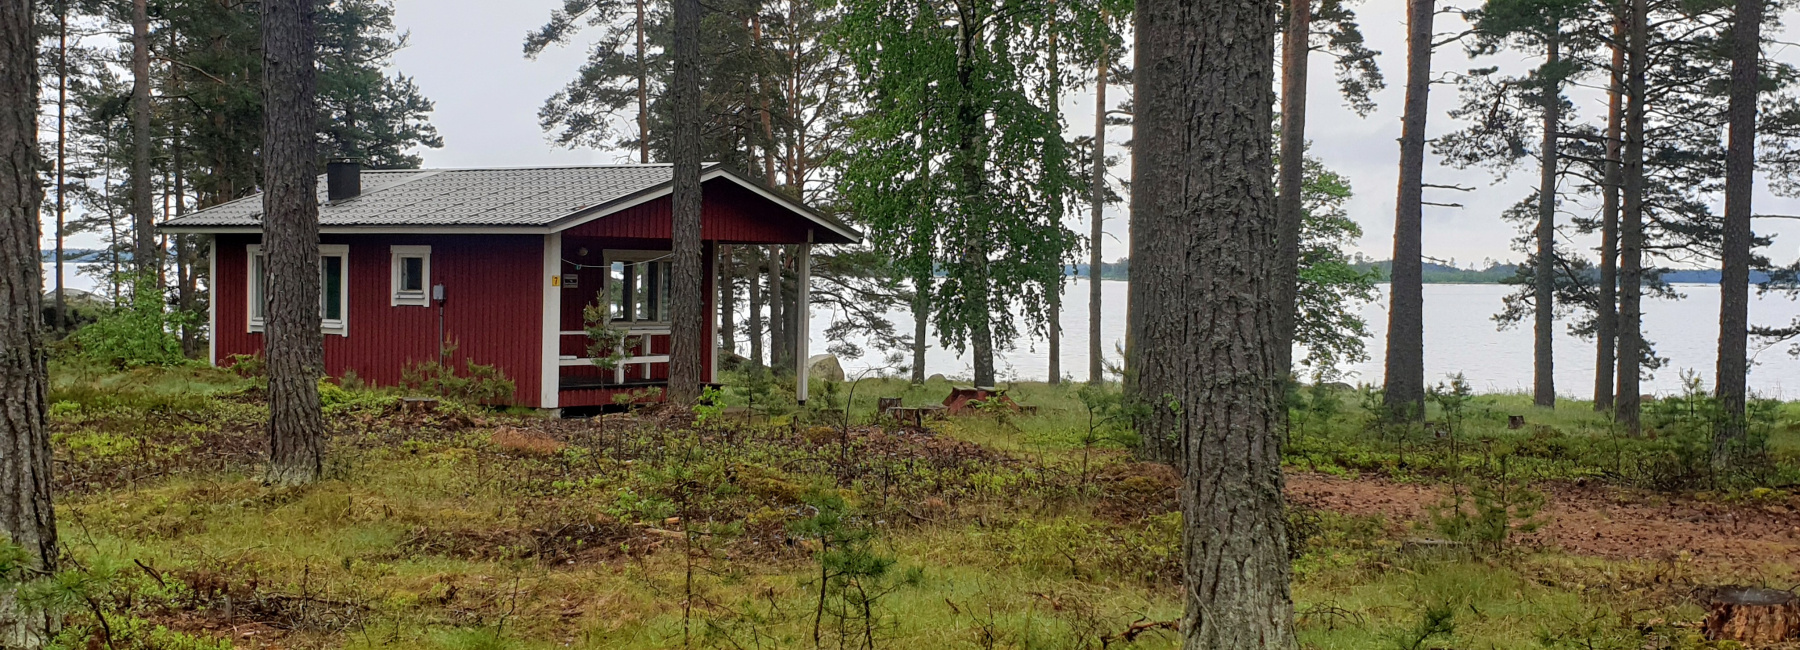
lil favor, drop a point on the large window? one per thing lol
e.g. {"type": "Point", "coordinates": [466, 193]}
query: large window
{"type": "Point", "coordinates": [334, 289]}
{"type": "Point", "coordinates": [637, 286]}
{"type": "Point", "coordinates": [411, 280]}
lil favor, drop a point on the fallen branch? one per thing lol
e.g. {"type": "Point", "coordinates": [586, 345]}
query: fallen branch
{"type": "Point", "coordinates": [1138, 629]}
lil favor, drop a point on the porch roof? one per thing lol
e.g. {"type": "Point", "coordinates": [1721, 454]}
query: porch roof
{"type": "Point", "coordinates": [482, 201]}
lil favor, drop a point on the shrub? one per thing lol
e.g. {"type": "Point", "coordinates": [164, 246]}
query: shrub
{"type": "Point", "coordinates": [475, 384]}
{"type": "Point", "coordinates": [142, 334]}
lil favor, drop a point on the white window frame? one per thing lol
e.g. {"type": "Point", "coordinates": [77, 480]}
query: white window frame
{"type": "Point", "coordinates": [403, 298]}
{"type": "Point", "coordinates": [636, 257]}
{"type": "Point", "coordinates": [254, 300]}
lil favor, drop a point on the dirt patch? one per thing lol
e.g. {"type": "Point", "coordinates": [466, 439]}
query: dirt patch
{"type": "Point", "coordinates": [567, 544]}
{"type": "Point", "coordinates": [1593, 520]}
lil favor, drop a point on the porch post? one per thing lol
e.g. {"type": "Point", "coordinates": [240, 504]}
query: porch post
{"type": "Point", "coordinates": [803, 320]}
{"type": "Point", "coordinates": [551, 321]}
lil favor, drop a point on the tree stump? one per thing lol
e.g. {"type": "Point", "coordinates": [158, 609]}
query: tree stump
{"type": "Point", "coordinates": [885, 404]}
{"type": "Point", "coordinates": [1752, 615]}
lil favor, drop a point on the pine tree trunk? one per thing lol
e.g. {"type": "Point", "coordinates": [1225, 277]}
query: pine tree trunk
{"type": "Point", "coordinates": [1405, 368]}
{"type": "Point", "coordinates": [26, 516]}
{"type": "Point", "coordinates": [686, 298]}
{"type": "Point", "coordinates": [921, 313]}
{"type": "Point", "coordinates": [187, 287]}
{"type": "Point", "coordinates": [1730, 441]}
{"type": "Point", "coordinates": [778, 359]}
{"type": "Point", "coordinates": [62, 156]}
{"type": "Point", "coordinates": [1289, 206]}
{"type": "Point", "coordinates": [1631, 226]}
{"type": "Point", "coordinates": [1097, 217]}
{"type": "Point", "coordinates": [643, 88]}
{"type": "Point", "coordinates": [727, 274]}
{"type": "Point", "coordinates": [1543, 392]}
{"type": "Point", "coordinates": [143, 218]}
{"type": "Point", "coordinates": [768, 121]}
{"type": "Point", "coordinates": [292, 340]}
{"type": "Point", "coordinates": [1606, 321]}
{"type": "Point", "coordinates": [756, 312]}
{"type": "Point", "coordinates": [1207, 354]}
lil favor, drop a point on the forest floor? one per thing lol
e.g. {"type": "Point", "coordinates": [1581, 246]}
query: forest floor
{"type": "Point", "coordinates": [465, 528]}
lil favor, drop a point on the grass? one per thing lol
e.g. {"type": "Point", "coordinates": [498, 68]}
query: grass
{"type": "Point", "coordinates": [465, 528]}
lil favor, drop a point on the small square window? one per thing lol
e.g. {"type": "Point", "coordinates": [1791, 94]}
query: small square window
{"type": "Point", "coordinates": [412, 276]}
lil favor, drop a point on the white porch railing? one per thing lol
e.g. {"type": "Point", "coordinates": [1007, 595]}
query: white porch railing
{"type": "Point", "coordinates": [638, 333]}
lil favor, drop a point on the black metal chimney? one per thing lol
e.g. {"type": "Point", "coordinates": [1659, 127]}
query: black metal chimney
{"type": "Point", "coordinates": [343, 179]}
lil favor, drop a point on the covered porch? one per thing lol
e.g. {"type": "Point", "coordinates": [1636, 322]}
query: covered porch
{"type": "Point", "coordinates": [615, 273]}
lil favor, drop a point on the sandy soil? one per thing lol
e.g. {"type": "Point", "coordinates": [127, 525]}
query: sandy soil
{"type": "Point", "coordinates": [1595, 520]}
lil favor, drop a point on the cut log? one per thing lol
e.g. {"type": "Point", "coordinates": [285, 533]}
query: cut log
{"type": "Point", "coordinates": [884, 404]}
{"type": "Point", "coordinates": [1753, 615]}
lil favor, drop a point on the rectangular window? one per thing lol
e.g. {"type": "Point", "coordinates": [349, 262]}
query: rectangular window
{"type": "Point", "coordinates": [411, 276]}
{"type": "Point", "coordinates": [334, 289]}
{"type": "Point", "coordinates": [259, 288]}
{"type": "Point", "coordinates": [637, 286]}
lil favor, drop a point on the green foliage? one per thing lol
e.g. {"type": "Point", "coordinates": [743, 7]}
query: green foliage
{"type": "Point", "coordinates": [474, 384]}
{"type": "Point", "coordinates": [144, 333]}
{"type": "Point", "coordinates": [852, 579]}
{"type": "Point", "coordinates": [249, 366]}
{"type": "Point", "coordinates": [1147, 552]}
{"type": "Point", "coordinates": [959, 167]}
{"type": "Point", "coordinates": [607, 345]}
{"type": "Point", "coordinates": [1435, 622]}
{"type": "Point", "coordinates": [1332, 288]}
{"type": "Point", "coordinates": [1495, 506]}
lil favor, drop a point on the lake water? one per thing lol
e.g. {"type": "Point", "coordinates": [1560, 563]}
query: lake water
{"type": "Point", "coordinates": [1460, 336]}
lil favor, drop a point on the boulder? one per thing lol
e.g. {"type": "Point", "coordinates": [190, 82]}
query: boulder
{"type": "Point", "coordinates": [731, 360]}
{"type": "Point", "coordinates": [936, 378]}
{"type": "Point", "coordinates": [824, 367]}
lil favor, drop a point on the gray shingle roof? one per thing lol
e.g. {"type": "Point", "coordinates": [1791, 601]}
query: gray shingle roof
{"type": "Point", "coordinates": [534, 197]}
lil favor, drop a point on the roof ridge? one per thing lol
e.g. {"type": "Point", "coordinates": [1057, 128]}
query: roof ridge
{"type": "Point", "coordinates": [545, 167]}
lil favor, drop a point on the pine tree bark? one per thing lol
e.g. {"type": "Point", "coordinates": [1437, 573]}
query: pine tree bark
{"type": "Point", "coordinates": [643, 88]}
{"type": "Point", "coordinates": [1096, 219]}
{"type": "Point", "coordinates": [143, 217]}
{"type": "Point", "coordinates": [921, 313]}
{"type": "Point", "coordinates": [756, 311]}
{"type": "Point", "coordinates": [62, 156]}
{"type": "Point", "coordinates": [686, 298]}
{"type": "Point", "coordinates": [1543, 392]}
{"type": "Point", "coordinates": [1729, 442]}
{"type": "Point", "coordinates": [1606, 322]}
{"type": "Point", "coordinates": [778, 358]}
{"type": "Point", "coordinates": [727, 273]}
{"type": "Point", "coordinates": [1405, 368]}
{"type": "Point", "coordinates": [1205, 281]}
{"type": "Point", "coordinates": [1289, 206]}
{"type": "Point", "coordinates": [1631, 226]}
{"type": "Point", "coordinates": [26, 515]}
{"type": "Point", "coordinates": [291, 337]}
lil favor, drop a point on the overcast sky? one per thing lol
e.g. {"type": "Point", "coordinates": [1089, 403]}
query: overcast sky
{"type": "Point", "coordinates": [466, 56]}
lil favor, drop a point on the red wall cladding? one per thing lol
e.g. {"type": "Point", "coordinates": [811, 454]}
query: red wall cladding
{"type": "Point", "coordinates": [491, 312]}
{"type": "Point", "coordinates": [728, 213]}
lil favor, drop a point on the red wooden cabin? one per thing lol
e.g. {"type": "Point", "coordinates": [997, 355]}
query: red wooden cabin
{"type": "Point", "coordinates": [496, 266]}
